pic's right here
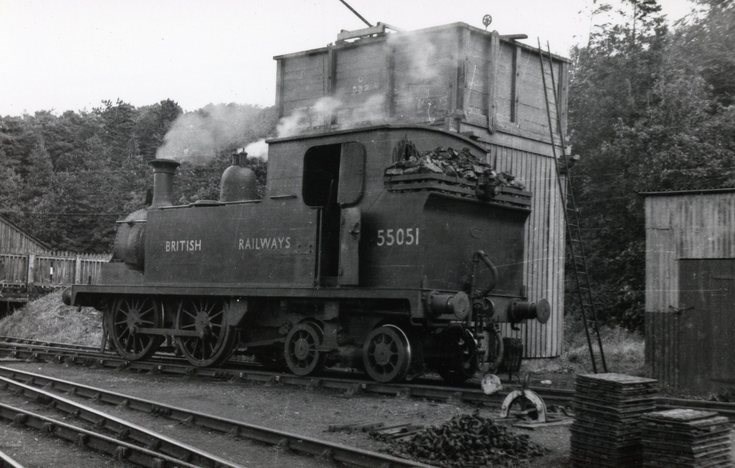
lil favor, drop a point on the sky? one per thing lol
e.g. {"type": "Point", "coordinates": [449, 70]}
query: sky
{"type": "Point", "coordinates": [63, 55]}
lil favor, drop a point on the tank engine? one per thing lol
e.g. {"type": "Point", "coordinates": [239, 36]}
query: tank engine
{"type": "Point", "coordinates": [340, 263]}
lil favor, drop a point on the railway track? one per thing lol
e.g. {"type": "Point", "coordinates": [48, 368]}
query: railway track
{"type": "Point", "coordinates": [349, 384]}
{"type": "Point", "coordinates": [165, 448]}
{"type": "Point", "coordinates": [339, 381]}
{"type": "Point", "coordinates": [44, 388]}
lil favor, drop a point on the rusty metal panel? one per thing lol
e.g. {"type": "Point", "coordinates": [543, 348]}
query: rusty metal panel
{"type": "Point", "coordinates": [707, 325]}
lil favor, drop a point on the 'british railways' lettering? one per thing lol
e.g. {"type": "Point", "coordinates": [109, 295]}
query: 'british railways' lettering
{"type": "Point", "coordinates": [192, 245]}
{"type": "Point", "coordinates": [263, 243]}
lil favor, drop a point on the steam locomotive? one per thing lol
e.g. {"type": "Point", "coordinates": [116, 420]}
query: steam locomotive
{"type": "Point", "coordinates": [338, 264]}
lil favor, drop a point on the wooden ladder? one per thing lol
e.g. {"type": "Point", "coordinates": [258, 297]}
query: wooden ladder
{"type": "Point", "coordinates": [572, 222]}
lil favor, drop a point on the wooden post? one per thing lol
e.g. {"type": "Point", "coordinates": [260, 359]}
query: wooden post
{"type": "Point", "coordinates": [461, 92]}
{"type": "Point", "coordinates": [78, 270]}
{"type": "Point", "coordinates": [279, 87]}
{"type": "Point", "coordinates": [30, 276]}
{"type": "Point", "coordinates": [390, 79]}
{"type": "Point", "coordinates": [491, 80]}
{"type": "Point", "coordinates": [563, 92]}
{"type": "Point", "coordinates": [516, 85]}
{"type": "Point", "coordinates": [331, 84]}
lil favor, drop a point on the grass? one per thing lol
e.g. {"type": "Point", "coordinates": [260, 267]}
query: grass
{"type": "Point", "coordinates": [624, 352]}
{"type": "Point", "coordinates": [48, 319]}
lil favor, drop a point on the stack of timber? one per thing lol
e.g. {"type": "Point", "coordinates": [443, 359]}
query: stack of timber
{"type": "Point", "coordinates": [608, 411]}
{"type": "Point", "coordinates": [686, 438]}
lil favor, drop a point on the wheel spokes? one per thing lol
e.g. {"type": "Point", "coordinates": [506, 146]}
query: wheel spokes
{"type": "Point", "coordinates": [214, 340]}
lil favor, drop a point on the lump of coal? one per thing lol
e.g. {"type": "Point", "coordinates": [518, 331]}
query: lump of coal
{"type": "Point", "coordinates": [448, 161]}
{"type": "Point", "coordinates": [468, 440]}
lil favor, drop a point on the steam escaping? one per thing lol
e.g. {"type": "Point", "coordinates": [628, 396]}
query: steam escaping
{"type": "Point", "coordinates": [320, 114]}
{"type": "Point", "coordinates": [421, 92]}
{"type": "Point", "coordinates": [419, 53]}
{"type": "Point", "coordinates": [258, 149]}
{"type": "Point", "coordinates": [199, 136]}
{"type": "Point", "coordinates": [334, 113]}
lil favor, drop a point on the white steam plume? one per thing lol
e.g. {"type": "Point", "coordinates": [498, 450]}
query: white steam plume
{"type": "Point", "coordinates": [420, 54]}
{"type": "Point", "coordinates": [258, 149]}
{"type": "Point", "coordinates": [198, 136]}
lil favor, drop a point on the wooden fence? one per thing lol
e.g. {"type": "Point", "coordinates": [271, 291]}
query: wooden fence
{"type": "Point", "coordinates": [49, 270]}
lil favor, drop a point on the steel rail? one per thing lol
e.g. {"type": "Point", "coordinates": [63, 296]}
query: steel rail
{"type": "Point", "coordinates": [349, 386]}
{"type": "Point", "coordinates": [6, 461]}
{"type": "Point", "coordinates": [29, 341]}
{"type": "Point", "coordinates": [118, 449]}
{"type": "Point", "coordinates": [125, 429]}
{"type": "Point", "coordinates": [297, 443]}
{"type": "Point", "coordinates": [37, 350]}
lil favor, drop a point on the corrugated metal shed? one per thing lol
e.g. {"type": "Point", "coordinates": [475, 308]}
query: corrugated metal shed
{"type": "Point", "coordinates": [14, 240]}
{"type": "Point", "coordinates": [681, 226]}
{"type": "Point", "coordinates": [462, 79]}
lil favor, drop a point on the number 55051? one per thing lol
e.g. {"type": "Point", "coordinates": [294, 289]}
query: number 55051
{"type": "Point", "coordinates": [400, 236]}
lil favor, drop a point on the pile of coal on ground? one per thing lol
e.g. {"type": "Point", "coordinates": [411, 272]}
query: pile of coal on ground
{"type": "Point", "coordinates": [48, 319]}
{"type": "Point", "coordinates": [468, 440]}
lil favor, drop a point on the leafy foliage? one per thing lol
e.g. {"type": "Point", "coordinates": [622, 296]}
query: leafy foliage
{"type": "Point", "coordinates": [651, 110]}
{"type": "Point", "coordinates": [67, 178]}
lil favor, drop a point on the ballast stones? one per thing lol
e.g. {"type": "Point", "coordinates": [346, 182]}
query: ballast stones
{"type": "Point", "coordinates": [608, 410]}
{"type": "Point", "coordinates": [686, 438]}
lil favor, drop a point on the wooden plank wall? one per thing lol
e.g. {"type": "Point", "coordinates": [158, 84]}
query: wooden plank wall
{"type": "Point", "coordinates": [304, 81]}
{"type": "Point", "coordinates": [433, 76]}
{"type": "Point", "coordinates": [695, 225]}
{"type": "Point", "coordinates": [13, 269]}
{"type": "Point", "coordinates": [425, 75]}
{"type": "Point", "coordinates": [545, 247]}
{"type": "Point", "coordinates": [50, 270]}
{"type": "Point", "coordinates": [13, 239]}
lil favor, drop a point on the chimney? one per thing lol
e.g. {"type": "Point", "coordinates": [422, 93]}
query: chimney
{"type": "Point", "coordinates": [239, 158]}
{"type": "Point", "coordinates": [163, 181]}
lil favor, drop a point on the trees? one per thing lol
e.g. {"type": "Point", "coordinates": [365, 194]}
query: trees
{"type": "Point", "coordinates": [67, 178]}
{"type": "Point", "coordinates": [650, 110]}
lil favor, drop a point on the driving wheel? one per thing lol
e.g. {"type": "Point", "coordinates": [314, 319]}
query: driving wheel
{"type": "Point", "coordinates": [301, 349]}
{"type": "Point", "coordinates": [386, 354]}
{"type": "Point", "coordinates": [125, 317]}
{"type": "Point", "coordinates": [460, 361]}
{"type": "Point", "coordinates": [211, 340]}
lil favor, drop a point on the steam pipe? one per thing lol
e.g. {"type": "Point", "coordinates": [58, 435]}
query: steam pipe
{"type": "Point", "coordinates": [481, 255]}
{"type": "Point", "coordinates": [163, 181]}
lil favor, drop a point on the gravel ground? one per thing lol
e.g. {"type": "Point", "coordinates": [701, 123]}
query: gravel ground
{"type": "Point", "coordinates": [305, 412]}
{"type": "Point", "coordinates": [33, 449]}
